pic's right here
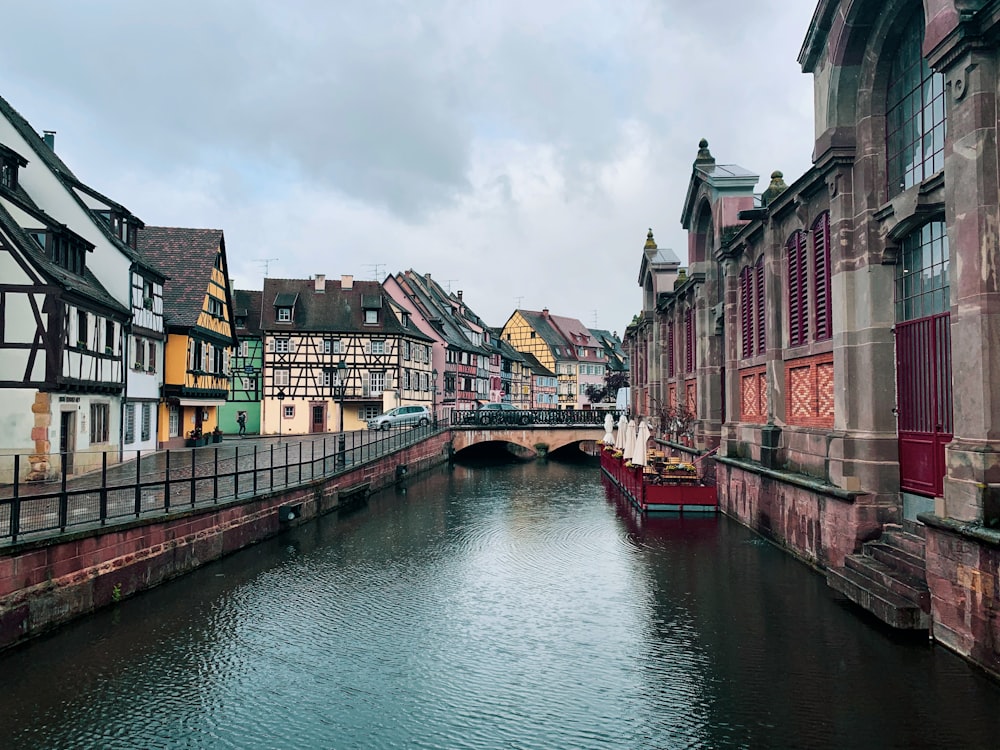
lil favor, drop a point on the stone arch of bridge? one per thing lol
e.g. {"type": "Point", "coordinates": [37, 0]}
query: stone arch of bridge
{"type": "Point", "coordinates": [551, 438]}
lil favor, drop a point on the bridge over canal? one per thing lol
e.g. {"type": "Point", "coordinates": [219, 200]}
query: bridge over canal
{"type": "Point", "coordinates": [538, 432]}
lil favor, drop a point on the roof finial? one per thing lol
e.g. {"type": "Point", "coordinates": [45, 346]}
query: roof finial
{"type": "Point", "coordinates": [650, 242]}
{"type": "Point", "coordinates": [776, 188]}
{"type": "Point", "coordinates": [703, 153]}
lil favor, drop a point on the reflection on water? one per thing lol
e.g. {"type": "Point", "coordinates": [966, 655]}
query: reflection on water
{"type": "Point", "coordinates": [521, 605]}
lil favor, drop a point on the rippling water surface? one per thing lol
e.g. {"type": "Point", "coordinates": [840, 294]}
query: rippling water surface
{"type": "Point", "coordinates": [515, 606]}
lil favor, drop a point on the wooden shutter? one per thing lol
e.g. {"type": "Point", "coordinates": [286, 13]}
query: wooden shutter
{"type": "Point", "coordinates": [746, 312]}
{"type": "Point", "coordinates": [798, 298]}
{"type": "Point", "coordinates": [670, 350]}
{"type": "Point", "coordinates": [821, 274]}
{"type": "Point", "coordinates": [689, 346]}
{"type": "Point", "coordinates": [760, 307]}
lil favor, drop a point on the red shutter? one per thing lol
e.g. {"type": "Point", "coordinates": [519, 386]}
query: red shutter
{"type": "Point", "coordinates": [798, 299]}
{"type": "Point", "coordinates": [821, 262]}
{"type": "Point", "coordinates": [670, 350]}
{"type": "Point", "coordinates": [761, 333]}
{"type": "Point", "coordinates": [746, 312]}
{"type": "Point", "coordinates": [689, 341]}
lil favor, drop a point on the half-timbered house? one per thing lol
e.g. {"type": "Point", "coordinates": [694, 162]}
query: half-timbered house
{"type": "Point", "coordinates": [337, 353]}
{"type": "Point", "coordinates": [246, 379]}
{"type": "Point", "coordinates": [61, 341]}
{"type": "Point", "coordinates": [201, 337]}
{"type": "Point", "coordinates": [41, 197]}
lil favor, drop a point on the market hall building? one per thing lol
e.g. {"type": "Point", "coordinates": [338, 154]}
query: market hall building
{"type": "Point", "coordinates": [837, 337]}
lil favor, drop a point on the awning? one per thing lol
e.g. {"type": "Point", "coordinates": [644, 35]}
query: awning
{"type": "Point", "coordinates": [201, 401]}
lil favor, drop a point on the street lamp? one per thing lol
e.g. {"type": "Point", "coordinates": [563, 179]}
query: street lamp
{"type": "Point", "coordinates": [281, 413]}
{"type": "Point", "coordinates": [434, 390]}
{"type": "Point", "coordinates": [341, 389]}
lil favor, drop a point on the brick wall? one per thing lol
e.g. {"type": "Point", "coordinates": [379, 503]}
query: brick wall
{"type": "Point", "coordinates": [809, 391]}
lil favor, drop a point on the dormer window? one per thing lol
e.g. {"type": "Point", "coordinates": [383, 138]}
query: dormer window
{"type": "Point", "coordinates": [215, 307]}
{"type": "Point", "coordinates": [66, 250]}
{"type": "Point", "coordinates": [284, 304]}
{"type": "Point", "coordinates": [123, 225]}
{"type": "Point", "coordinates": [371, 317]}
{"type": "Point", "coordinates": [371, 304]}
{"type": "Point", "coordinates": [10, 161]}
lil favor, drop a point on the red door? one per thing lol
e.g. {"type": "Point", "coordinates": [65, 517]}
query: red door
{"type": "Point", "coordinates": [923, 402]}
{"type": "Point", "coordinates": [318, 423]}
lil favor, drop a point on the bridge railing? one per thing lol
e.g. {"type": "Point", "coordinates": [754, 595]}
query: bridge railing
{"type": "Point", "coordinates": [531, 417]}
{"type": "Point", "coordinates": [164, 482]}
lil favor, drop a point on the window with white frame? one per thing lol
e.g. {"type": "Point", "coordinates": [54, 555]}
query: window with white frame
{"type": "Point", "coordinates": [378, 346]}
{"type": "Point", "coordinates": [371, 317]}
{"type": "Point", "coordinates": [244, 348]}
{"type": "Point", "coordinates": [173, 421]}
{"type": "Point", "coordinates": [281, 346]}
{"type": "Point", "coordinates": [289, 411]}
{"type": "Point", "coordinates": [376, 382]}
{"type": "Point", "coordinates": [368, 412]}
{"type": "Point", "coordinates": [281, 377]}
{"type": "Point", "coordinates": [147, 420]}
{"type": "Point", "coordinates": [284, 314]}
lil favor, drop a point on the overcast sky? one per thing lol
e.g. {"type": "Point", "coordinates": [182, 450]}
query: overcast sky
{"type": "Point", "coordinates": [517, 151]}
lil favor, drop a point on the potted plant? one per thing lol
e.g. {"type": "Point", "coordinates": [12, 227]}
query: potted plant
{"type": "Point", "coordinates": [194, 438]}
{"type": "Point", "coordinates": [216, 435]}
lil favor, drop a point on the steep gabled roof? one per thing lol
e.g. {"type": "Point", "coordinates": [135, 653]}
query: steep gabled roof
{"type": "Point", "coordinates": [436, 306]}
{"type": "Point", "coordinates": [65, 176]}
{"type": "Point", "coordinates": [536, 367]}
{"type": "Point", "coordinates": [87, 286]}
{"type": "Point", "coordinates": [187, 257]}
{"type": "Point", "coordinates": [247, 305]}
{"type": "Point", "coordinates": [333, 310]}
{"type": "Point", "coordinates": [543, 325]}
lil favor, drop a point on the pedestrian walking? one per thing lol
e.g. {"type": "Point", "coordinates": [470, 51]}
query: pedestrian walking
{"type": "Point", "coordinates": [241, 420]}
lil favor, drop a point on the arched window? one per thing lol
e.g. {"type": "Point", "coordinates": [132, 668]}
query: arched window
{"type": "Point", "coordinates": [915, 116]}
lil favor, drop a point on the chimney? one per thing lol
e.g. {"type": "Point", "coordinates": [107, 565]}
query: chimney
{"type": "Point", "coordinates": [460, 295]}
{"type": "Point", "coordinates": [545, 312]}
{"type": "Point", "coordinates": [346, 282]}
{"type": "Point", "coordinates": [49, 136]}
{"type": "Point", "coordinates": [320, 281]}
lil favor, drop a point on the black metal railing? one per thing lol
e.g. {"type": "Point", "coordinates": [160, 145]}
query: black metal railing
{"type": "Point", "coordinates": [532, 417]}
{"type": "Point", "coordinates": [168, 481]}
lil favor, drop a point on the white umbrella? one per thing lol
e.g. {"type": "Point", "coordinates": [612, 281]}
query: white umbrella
{"type": "Point", "coordinates": [639, 449]}
{"type": "Point", "coordinates": [620, 438]}
{"type": "Point", "coordinates": [629, 445]}
{"type": "Point", "coordinates": [609, 426]}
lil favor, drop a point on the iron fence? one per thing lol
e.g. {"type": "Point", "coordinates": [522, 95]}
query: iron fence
{"type": "Point", "coordinates": [172, 480]}
{"type": "Point", "coordinates": [532, 417]}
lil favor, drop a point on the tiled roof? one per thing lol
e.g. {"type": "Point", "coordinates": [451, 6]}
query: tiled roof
{"type": "Point", "coordinates": [433, 302]}
{"type": "Point", "coordinates": [536, 367]}
{"type": "Point", "coordinates": [247, 304]}
{"type": "Point", "coordinates": [187, 257]}
{"type": "Point", "coordinates": [334, 310]}
{"type": "Point", "coordinates": [87, 285]}
{"type": "Point", "coordinates": [63, 173]}
{"type": "Point", "coordinates": [542, 324]}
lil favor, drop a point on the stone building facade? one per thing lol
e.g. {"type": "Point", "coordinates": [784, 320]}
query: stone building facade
{"type": "Point", "coordinates": [845, 327]}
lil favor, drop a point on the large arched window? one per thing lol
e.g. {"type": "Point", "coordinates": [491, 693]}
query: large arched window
{"type": "Point", "coordinates": [915, 116]}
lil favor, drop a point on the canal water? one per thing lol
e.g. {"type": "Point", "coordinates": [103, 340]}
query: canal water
{"type": "Point", "coordinates": [494, 606]}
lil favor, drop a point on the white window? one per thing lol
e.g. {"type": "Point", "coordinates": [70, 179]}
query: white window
{"type": "Point", "coordinates": [173, 421]}
{"type": "Point", "coordinates": [371, 317]}
{"type": "Point", "coordinates": [244, 348]}
{"type": "Point", "coordinates": [376, 382]}
{"type": "Point", "coordinates": [289, 411]}
{"type": "Point", "coordinates": [284, 314]}
{"type": "Point", "coordinates": [327, 377]}
{"type": "Point", "coordinates": [406, 350]}
{"type": "Point", "coordinates": [327, 346]}
{"type": "Point", "coordinates": [281, 377]}
{"type": "Point", "coordinates": [367, 412]}
{"type": "Point", "coordinates": [378, 346]}
{"type": "Point", "coordinates": [281, 346]}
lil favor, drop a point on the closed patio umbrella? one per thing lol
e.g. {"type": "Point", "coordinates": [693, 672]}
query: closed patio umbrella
{"type": "Point", "coordinates": [639, 449]}
{"type": "Point", "coordinates": [620, 437]}
{"type": "Point", "coordinates": [629, 445]}
{"type": "Point", "coordinates": [609, 426]}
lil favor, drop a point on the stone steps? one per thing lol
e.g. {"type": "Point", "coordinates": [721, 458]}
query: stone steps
{"type": "Point", "coordinates": [888, 578]}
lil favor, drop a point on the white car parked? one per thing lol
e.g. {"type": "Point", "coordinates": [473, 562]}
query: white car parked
{"type": "Point", "coordinates": [400, 416]}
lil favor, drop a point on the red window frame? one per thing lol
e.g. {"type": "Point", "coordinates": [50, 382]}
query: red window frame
{"type": "Point", "coordinates": [689, 346]}
{"type": "Point", "coordinates": [798, 289]}
{"type": "Point", "coordinates": [821, 277]}
{"type": "Point", "coordinates": [670, 350]}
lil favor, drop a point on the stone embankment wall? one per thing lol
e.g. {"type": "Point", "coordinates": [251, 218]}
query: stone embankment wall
{"type": "Point", "coordinates": [46, 583]}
